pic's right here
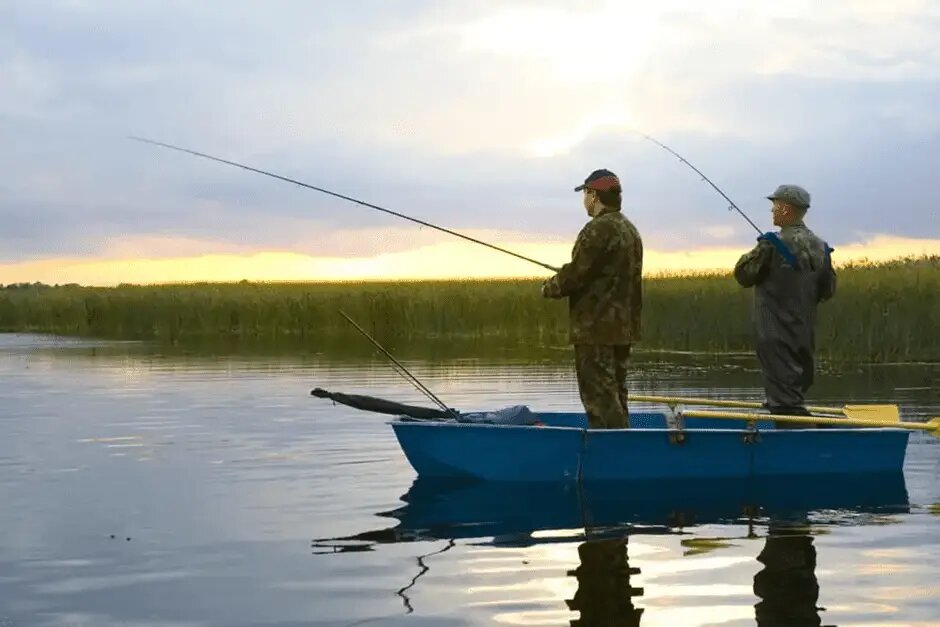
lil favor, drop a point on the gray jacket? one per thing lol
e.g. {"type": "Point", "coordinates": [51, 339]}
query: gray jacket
{"type": "Point", "coordinates": [789, 281]}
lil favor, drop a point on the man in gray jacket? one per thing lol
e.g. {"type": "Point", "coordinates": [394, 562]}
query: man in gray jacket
{"type": "Point", "coordinates": [791, 271]}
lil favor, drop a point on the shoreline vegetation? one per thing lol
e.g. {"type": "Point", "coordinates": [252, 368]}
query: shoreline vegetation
{"type": "Point", "coordinates": [883, 312]}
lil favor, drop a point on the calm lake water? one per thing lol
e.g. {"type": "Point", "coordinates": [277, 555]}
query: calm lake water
{"type": "Point", "coordinates": [141, 489]}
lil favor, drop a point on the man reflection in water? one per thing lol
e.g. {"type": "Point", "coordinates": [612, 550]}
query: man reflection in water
{"type": "Point", "coordinates": [604, 596]}
{"type": "Point", "coordinates": [787, 585]}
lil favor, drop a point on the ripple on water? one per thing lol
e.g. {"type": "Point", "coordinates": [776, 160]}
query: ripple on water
{"type": "Point", "coordinates": [258, 504]}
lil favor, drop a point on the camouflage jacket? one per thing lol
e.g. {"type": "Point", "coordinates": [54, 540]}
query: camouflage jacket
{"type": "Point", "coordinates": [603, 282]}
{"type": "Point", "coordinates": [787, 291]}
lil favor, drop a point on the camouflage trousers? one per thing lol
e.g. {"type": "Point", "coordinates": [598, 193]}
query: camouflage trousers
{"type": "Point", "coordinates": [602, 383]}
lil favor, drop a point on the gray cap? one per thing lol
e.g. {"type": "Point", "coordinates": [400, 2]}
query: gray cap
{"type": "Point", "coordinates": [793, 194]}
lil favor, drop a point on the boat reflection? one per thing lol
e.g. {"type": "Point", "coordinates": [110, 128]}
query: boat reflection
{"type": "Point", "coordinates": [785, 510]}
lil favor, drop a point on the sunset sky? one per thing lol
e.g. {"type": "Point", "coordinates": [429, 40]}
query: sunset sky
{"type": "Point", "coordinates": [478, 116]}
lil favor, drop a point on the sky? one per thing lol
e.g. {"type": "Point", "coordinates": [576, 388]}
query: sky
{"type": "Point", "coordinates": [479, 116]}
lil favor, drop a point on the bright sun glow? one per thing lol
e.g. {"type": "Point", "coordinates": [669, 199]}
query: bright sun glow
{"type": "Point", "coordinates": [583, 47]}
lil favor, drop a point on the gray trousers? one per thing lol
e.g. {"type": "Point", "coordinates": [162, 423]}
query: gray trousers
{"type": "Point", "coordinates": [788, 374]}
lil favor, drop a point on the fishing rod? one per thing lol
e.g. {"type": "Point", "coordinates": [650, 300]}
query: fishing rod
{"type": "Point", "coordinates": [349, 198]}
{"type": "Point", "coordinates": [403, 371]}
{"type": "Point", "coordinates": [704, 178]}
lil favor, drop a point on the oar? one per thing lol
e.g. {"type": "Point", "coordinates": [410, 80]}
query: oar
{"type": "Point", "coordinates": [931, 426]}
{"type": "Point", "coordinates": [887, 413]}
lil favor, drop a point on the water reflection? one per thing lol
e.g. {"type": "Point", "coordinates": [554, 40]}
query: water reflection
{"type": "Point", "coordinates": [605, 595]}
{"type": "Point", "coordinates": [234, 470]}
{"type": "Point", "coordinates": [602, 516]}
{"type": "Point", "coordinates": [787, 585]}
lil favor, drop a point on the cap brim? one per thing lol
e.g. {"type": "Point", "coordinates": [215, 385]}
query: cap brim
{"type": "Point", "coordinates": [801, 206]}
{"type": "Point", "coordinates": [579, 188]}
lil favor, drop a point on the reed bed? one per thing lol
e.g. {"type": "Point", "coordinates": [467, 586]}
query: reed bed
{"type": "Point", "coordinates": [882, 312]}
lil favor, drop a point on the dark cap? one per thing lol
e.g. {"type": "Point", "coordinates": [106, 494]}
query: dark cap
{"type": "Point", "coordinates": [601, 181]}
{"type": "Point", "coordinates": [793, 194]}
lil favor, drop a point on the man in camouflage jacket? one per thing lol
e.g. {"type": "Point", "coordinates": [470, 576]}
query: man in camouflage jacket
{"type": "Point", "coordinates": [604, 290]}
{"type": "Point", "coordinates": [792, 273]}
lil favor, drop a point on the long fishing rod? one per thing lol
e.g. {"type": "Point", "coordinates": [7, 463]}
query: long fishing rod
{"type": "Point", "coordinates": [403, 371]}
{"type": "Point", "coordinates": [350, 199]}
{"type": "Point", "coordinates": [704, 178]}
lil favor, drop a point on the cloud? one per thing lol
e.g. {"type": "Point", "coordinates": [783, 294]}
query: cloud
{"type": "Point", "coordinates": [477, 116]}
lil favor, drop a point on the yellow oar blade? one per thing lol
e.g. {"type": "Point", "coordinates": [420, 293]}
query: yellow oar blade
{"type": "Point", "coordinates": [883, 413]}
{"type": "Point", "coordinates": [933, 427]}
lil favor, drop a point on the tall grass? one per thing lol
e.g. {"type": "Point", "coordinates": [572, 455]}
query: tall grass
{"type": "Point", "coordinates": [883, 312]}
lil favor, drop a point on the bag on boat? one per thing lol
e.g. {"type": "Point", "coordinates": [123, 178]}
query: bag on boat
{"type": "Point", "coordinates": [515, 415]}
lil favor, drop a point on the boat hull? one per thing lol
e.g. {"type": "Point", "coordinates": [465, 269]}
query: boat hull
{"type": "Point", "coordinates": [564, 450]}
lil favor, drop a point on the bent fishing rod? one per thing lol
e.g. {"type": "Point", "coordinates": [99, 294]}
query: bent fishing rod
{"type": "Point", "coordinates": [704, 178]}
{"type": "Point", "coordinates": [349, 198]}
